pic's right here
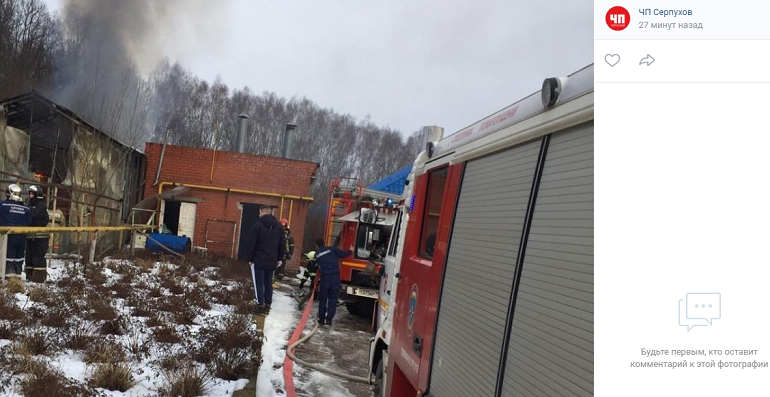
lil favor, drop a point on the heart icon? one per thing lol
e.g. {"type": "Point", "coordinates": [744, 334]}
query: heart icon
{"type": "Point", "coordinates": [612, 59]}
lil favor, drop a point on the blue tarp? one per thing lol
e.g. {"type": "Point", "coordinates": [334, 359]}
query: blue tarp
{"type": "Point", "coordinates": [393, 183]}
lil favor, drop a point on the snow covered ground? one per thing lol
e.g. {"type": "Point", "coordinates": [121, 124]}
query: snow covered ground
{"type": "Point", "coordinates": [140, 300]}
{"type": "Point", "coordinates": [150, 373]}
{"type": "Point", "coordinates": [279, 325]}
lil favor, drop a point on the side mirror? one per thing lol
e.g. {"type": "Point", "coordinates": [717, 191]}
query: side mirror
{"type": "Point", "coordinates": [368, 215]}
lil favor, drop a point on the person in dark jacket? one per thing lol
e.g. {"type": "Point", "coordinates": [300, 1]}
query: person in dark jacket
{"type": "Point", "coordinates": [37, 243]}
{"type": "Point", "coordinates": [266, 252]}
{"type": "Point", "coordinates": [13, 212]}
{"type": "Point", "coordinates": [289, 241]}
{"type": "Point", "coordinates": [328, 261]}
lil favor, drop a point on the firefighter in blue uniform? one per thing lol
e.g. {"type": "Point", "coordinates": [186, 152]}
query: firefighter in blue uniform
{"type": "Point", "coordinates": [13, 212]}
{"type": "Point", "coordinates": [328, 260]}
{"type": "Point", "coordinates": [37, 243]}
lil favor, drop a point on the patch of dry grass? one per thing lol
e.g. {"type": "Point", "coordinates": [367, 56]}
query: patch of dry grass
{"type": "Point", "coordinates": [14, 285]}
{"type": "Point", "coordinates": [104, 351]}
{"type": "Point", "coordinates": [8, 308]}
{"type": "Point", "coordinates": [116, 326]}
{"type": "Point", "coordinates": [115, 376]}
{"type": "Point", "coordinates": [229, 346]}
{"type": "Point", "coordinates": [36, 342]}
{"type": "Point", "coordinates": [187, 381]}
{"type": "Point", "coordinates": [56, 317]}
{"type": "Point", "coordinates": [166, 334]}
{"type": "Point", "coordinates": [81, 336]}
{"type": "Point", "coordinates": [137, 344]}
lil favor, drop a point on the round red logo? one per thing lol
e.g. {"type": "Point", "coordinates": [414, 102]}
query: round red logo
{"type": "Point", "coordinates": [618, 18]}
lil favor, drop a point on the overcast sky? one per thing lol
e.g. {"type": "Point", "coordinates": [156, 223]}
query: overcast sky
{"type": "Point", "coordinates": [406, 64]}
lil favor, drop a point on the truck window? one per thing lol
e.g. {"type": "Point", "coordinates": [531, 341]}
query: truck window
{"type": "Point", "coordinates": [372, 241]}
{"type": "Point", "coordinates": [433, 204]}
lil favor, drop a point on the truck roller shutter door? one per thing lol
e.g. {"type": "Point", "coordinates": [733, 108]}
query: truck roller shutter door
{"type": "Point", "coordinates": [551, 343]}
{"type": "Point", "coordinates": [479, 272]}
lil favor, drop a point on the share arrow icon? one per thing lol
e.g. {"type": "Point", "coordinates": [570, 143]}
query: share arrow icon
{"type": "Point", "coordinates": [648, 60]}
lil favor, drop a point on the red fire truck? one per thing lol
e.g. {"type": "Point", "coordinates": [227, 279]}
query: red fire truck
{"type": "Point", "coordinates": [494, 291]}
{"type": "Point", "coordinates": [361, 220]}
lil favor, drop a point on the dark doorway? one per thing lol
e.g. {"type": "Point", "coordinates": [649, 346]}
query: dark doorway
{"type": "Point", "coordinates": [248, 219]}
{"type": "Point", "coordinates": [171, 216]}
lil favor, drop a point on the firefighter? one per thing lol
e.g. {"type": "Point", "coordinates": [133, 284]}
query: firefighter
{"type": "Point", "coordinates": [37, 243]}
{"type": "Point", "coordinates": [308, 273]}
{"type": "Point", "coordinates": [289, 251]}
{"type": "Point", "coordinates": [13, 212]}
{"type": "Point", "coordinates": [328, 259]}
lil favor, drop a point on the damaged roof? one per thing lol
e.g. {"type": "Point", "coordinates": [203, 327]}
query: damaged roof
{"type": "Point", "coordinates": [32, 110]}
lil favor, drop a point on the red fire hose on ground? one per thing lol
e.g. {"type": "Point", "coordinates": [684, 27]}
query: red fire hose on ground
{"type": "Point", "coordinates": [296, 339]}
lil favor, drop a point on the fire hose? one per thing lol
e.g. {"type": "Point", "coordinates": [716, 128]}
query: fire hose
{"type": "Point", "coordinates": [296, 341]}
{"type": "Point", "coordinates": [352, 378]}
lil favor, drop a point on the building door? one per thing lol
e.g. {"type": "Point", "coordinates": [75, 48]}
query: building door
{"type": "Point", "coordinates": [249, 216]}
{"type": "Point", "coordinates": [178, 217]}
{"type": "Point", "coordinates": [187, 220]}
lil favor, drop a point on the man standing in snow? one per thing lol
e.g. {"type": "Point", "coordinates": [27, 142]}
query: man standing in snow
{"type": "Point", "coordinates": [37, 243]}
{"type": "Point", "coordinates": [13, 212]}
{"type": "Point", "coordinates": [328, 261]}
{"type": "Point", "coordinates": [266, 252]}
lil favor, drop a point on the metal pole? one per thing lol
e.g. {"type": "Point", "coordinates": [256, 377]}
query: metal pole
{"type": "Point", "coordinates": [241, 143]}
{"type": "Point", "coordinates": [51, 238]}
{"type": "Point", "coordinates": [214, 156]}
{"type": "Point", "coordinates": [3, 252]}
{"type": "Point", "coordinates": [291, 209]}
{"type": "Point", "coordinates": [232, 247]}
{"type": "Point", "coordinates": [133, 233]}
{"type": "Point", "coordinates": [55, 152]}
{"type": "Point", "coordinates": [288, 141]}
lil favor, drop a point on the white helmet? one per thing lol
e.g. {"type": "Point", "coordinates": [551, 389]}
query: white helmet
{"type": "Point", "coordinates": [35, 190]}
{"type": "Point", "coordinates": [13, 192]}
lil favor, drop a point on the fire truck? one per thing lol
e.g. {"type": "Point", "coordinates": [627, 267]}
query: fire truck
{"type": "Point", "coordinates": [493, 288]}
{"type": "Point", "coordinates": [363, 221]}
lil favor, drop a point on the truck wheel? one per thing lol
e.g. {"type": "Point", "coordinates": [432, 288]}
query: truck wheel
{"type": "Point", "coordinates": [378, 387]}
{"type": "Point", "coordinates": [361, 307]}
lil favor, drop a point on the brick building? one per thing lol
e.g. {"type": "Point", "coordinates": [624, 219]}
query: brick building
{"type": "Point", "coordinates": [226, 189]}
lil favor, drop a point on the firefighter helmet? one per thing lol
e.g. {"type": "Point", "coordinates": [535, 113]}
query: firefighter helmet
{"type": "Point", "coordinates": [284, 222]}
{"type": "Point", "coordinates": [310, 255]}
{"type": "Point", "coordinates": [13, 192]}
{"type": "Point", "coordinates": [35, 190]}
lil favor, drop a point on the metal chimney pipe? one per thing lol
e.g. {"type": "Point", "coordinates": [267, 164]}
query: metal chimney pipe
{"type": "Point", "coordinates": [288, 141]}
{"type": "Point", "coordinates": [432, 133]}
{"type": "Point", "coordinates": [243, 121]}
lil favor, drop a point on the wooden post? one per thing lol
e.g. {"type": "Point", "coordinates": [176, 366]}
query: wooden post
{"type": "Point", "coordinates": [3, 252]}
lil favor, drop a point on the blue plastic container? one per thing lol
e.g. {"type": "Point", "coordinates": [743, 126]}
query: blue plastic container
{"type": "Point", "coordinates": [180, 244]}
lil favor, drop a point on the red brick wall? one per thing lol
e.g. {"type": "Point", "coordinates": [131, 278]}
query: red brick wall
{"type": "Point", "coordinates": [235, 171]}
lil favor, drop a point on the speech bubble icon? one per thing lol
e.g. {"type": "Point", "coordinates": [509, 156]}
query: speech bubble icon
{"type": "Point", "coordinates": [707, 306]}
{"type": "Point", "coordinates": [689, 323]}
